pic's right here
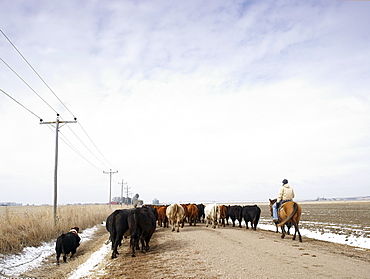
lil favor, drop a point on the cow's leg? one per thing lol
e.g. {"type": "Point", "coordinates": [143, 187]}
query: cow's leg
{"type": "Point", "coordinates": [58, 256]}
{"type": "Point", "coordinates": [147, 240]}
{"type": "Point", "coordinates": [173, 225]}
{"type": "Point", "coordinates": [64, 258]}
{"type": "Point", "coordinates": [132, 246]}
{"type": "Point", "coordinates": [255, 224]}
{"type": "Point", "coordinates": [143, 247]}
{"type": "Point", "coordinates": [72, 253]}
{"type": "Point", "coordinates": [115, 244]}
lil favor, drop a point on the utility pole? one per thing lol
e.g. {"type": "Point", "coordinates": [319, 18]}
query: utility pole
{"type": "Point", "coordinates": [110, 185]}
{"type": "Point", "coordinates": [127, 188]}
{"type": "Point", "coordinates": [121, 183]}
{"type": "Point", "coordinates": [57, 122]}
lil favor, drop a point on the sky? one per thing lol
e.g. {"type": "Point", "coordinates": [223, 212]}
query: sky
{"type": "Point", "coordinates": [191, 101]}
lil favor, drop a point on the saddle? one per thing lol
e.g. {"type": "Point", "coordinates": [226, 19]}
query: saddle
{"type": "Point", "coordinates": [281, 206]}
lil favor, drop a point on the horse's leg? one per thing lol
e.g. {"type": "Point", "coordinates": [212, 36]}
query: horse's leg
{"type": "Point", "coordinates": [295, 230]}
{"type": "Point", "coordinates": [282, 232]}
{"type": "Point", "coordinates": [299, 234]}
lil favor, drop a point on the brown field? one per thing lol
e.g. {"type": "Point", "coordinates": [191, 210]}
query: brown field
{"type": "Point", "coordinates": [344, 217]}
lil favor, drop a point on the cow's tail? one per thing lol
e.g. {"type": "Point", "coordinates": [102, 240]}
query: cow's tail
{"type": "Point", "coordinates": [295, 209]}
{"type": "Point", "coordinates": [135, 222]}
{"type": "Point", "coordinates": [62, 244]}
{"type": "Point", "coordinates": [176, 209]}
{"type": "Point", "coordinates": [113, 232]}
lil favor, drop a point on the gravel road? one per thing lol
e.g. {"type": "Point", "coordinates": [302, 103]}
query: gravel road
{"type": "Point", "coordinates": [200, 252]}
{"type": "Point", "coordinates": [225, 252]}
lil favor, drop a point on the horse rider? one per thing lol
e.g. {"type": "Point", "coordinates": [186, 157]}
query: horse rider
{"type": "Point", "coordinates": [286, 193]}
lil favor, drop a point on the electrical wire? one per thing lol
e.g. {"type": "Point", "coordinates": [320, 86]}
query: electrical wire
{"type": "Point", "coordinates": [29, 86]}
{"type": "Point", "coordinates": [68, 143]}
{"type": "Point", "coordinates": [37, 73]}
{"type": "Point", "coordinates": [20, 104]}
{"type": "Point", "coordinates": [95, 145]}
{"type": "Point", "coordinates": [65, 140]}
{"type": "Point", "coordinates": [87, 147]}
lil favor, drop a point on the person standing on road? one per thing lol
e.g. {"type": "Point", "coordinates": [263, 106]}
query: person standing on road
{"type": "Point", "coordinates": [286, 193]}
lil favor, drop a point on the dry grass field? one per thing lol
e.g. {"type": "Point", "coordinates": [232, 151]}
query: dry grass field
{"type": "Point", "coordinates": [22, 226]}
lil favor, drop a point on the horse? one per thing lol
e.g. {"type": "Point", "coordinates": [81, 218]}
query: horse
{"type": "Point", "coordinates": [289, 212]}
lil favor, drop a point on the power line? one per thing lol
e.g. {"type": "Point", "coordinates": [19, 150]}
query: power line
{"type": "Point", "coordinates": [61, 118]}
{"type": "Point", "coordinates": [20, 104]}
{"type": "Point", "coordinates": [29, 86]}
{"type": "Point", "coordinates": [69, 144]}
{"type": "Point", "coordinates": [94, 144]}
{"type": "Point", "coordinates": [87, 147]}
{"type": "Point", "coordinates": [36, 73]}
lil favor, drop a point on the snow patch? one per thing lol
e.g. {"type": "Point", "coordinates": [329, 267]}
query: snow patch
{"type": "Point", "coordinates": [87, 268]}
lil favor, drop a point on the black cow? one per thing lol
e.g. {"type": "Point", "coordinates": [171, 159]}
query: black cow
{"type": "Point", "coordinates": [67, 243]}
{"type": "Point", "coordinates": [152, 208]}
{"type": "Point", "coordinates": [201, 214]}
{"type": "Point", "coordinates": [142, 224]}
{"type": "Point", "coordinates": [117, 226]}
{"type": "Point", "coordinates": [234, 212]}
{"type": "Point", "coordinates": [251, 213]}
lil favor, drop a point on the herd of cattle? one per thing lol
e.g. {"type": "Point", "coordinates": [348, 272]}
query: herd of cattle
{"type": "Point", "coordinates": [140, 223]}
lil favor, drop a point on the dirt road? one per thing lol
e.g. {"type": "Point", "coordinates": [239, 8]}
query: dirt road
{"type": "Point", "coordinates": [200, 252]}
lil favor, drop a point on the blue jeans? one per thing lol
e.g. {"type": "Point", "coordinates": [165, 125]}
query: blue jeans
{"type": "Point", "coordinates": [275, 207]}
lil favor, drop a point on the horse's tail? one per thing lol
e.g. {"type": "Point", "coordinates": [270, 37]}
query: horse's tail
{"type": "Point", "coordinates": [295, 209]}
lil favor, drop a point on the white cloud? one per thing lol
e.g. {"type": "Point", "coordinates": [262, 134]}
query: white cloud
{"type": "Point", "coordinates": [203, 101]}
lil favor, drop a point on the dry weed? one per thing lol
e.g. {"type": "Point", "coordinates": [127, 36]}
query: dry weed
{"type": "Point", "coordinates": [32, 225]}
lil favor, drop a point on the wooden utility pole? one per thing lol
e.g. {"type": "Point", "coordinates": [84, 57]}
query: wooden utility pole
{"type": "Point", "coordinates": [121, 183]}
{"type": "Point", "coordinates": [56, 123]}
{"type": "Point", "coordinates": [110, 185]}
{"type": "Point", "coordinates": [127, 188]}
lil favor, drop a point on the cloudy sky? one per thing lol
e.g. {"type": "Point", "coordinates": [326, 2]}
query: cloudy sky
{"type": "Point", "coordinates": [188, 100]}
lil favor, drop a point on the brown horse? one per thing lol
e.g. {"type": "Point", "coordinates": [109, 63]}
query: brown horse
{"type": "Point", "coordinates": [289, 212]}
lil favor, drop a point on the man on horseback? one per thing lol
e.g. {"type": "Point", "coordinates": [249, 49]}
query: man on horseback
{"type": "Point", "coordinates": [286, 193]}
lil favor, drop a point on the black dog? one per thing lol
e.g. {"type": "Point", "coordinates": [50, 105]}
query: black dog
{"type": "Point", "coordinates": [67, 243]}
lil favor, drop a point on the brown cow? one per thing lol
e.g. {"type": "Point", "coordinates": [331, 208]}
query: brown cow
{"type": "Point", "coordinates": [192, 213]}
{"type": "Point", "coordinates": [222, 215]}
{"type": "Point", "coordinates": [162, 217]}
{"type": "Point", "coordinates": [186, 214]}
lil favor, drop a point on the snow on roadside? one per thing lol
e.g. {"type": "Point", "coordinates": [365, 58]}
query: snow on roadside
{"type": "Point", "coordinates": [351, 240]}
{"type": "Point", "coordinates": [32, 257]}
{"type": "Point", "coordinates": [87, 268]}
